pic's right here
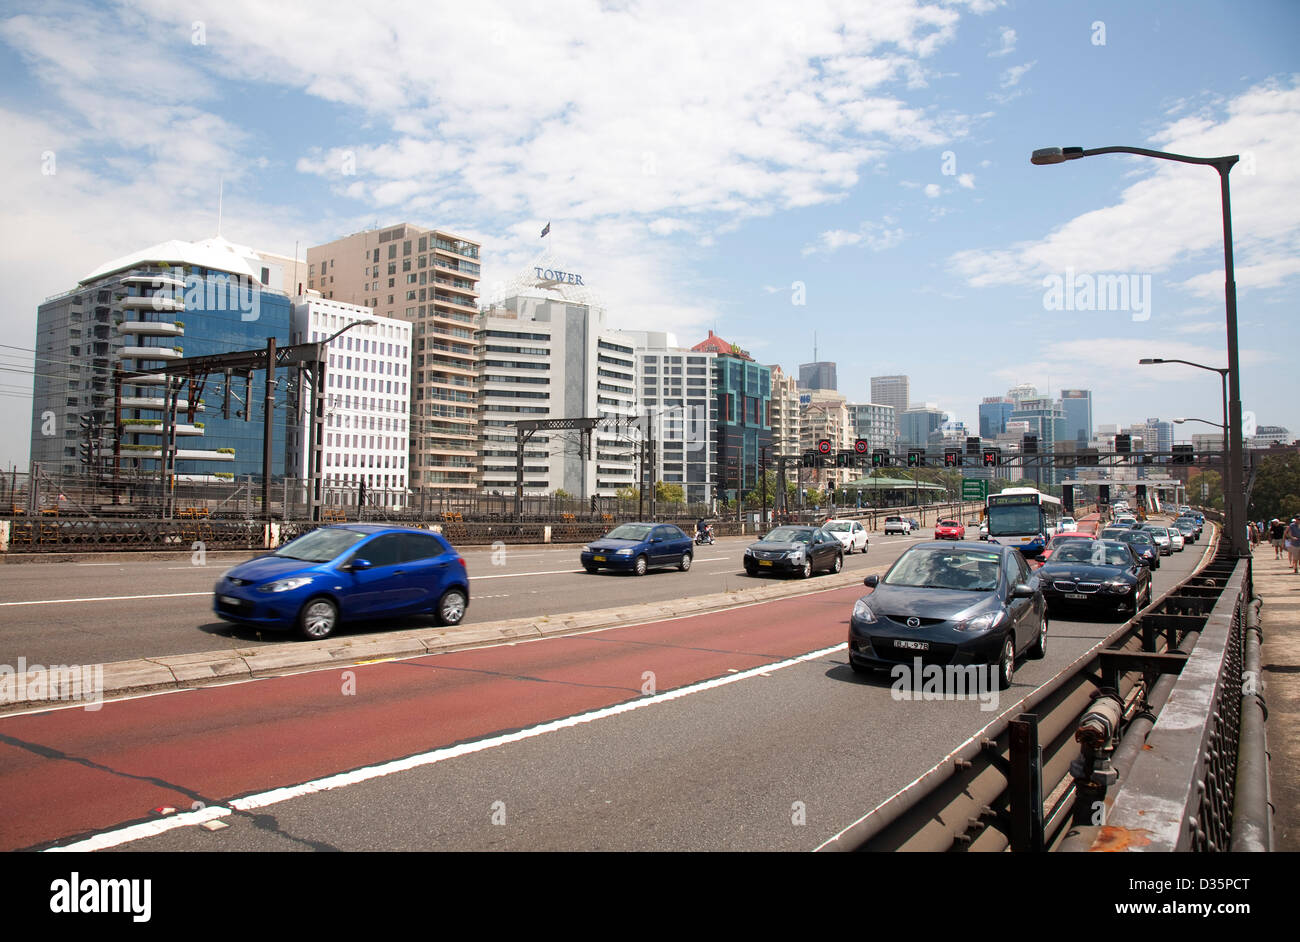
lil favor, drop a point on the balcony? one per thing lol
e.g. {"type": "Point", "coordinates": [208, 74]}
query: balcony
{"type": "Point", "coordinates": [151, 328]}
{"type": "Point", "coordinates": [151, 353]}
{"type": "Point", "coordinates": [152, 302]}
{"type": "Point", "coordinates": [148, 402]}
{"type": "Point", "coordinates": [197, 454]}
{"type": "Point", "coordinates": [159, 279]}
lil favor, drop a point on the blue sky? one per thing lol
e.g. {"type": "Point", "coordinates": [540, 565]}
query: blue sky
{"type": "Point", "coordinates": [705, 167]}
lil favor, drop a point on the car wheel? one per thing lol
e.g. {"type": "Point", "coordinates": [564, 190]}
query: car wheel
{"type": "Point", "coordinates": [451, 607]}
{"type": "Point", "coordinates": [1040, 646]}
{"type": "Point", "coordinates": [685, 564]}
{"type": "Point", "coordinates": [318, 619]}
{"type": "Point", "coordinates": [839, 562]}
{"type": "Point", "coordinates": [749, 570]}
{"type": "Point", "coordinates": [1007, 662]}
{"type": "Point", "coordinates": [860, 669]}
{"type": "Point", "coordinates": [590, 568]}
{"type": "Point", "coordinates": [806, 571]}
{"type": "Point", "coordinates": [641, 565]}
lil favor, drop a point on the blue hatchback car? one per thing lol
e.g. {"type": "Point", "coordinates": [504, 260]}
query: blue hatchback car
{"type": "Point", "coordinates": [636, 547]}
{"type": "Point", "coordinates": [349, 572]}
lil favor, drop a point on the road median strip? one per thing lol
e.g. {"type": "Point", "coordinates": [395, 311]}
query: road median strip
{"type": "Point", "coordinates": [34, 688]}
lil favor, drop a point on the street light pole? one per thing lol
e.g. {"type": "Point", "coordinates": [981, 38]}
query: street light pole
{"type": "Point", "coordinates": [1235, 496]}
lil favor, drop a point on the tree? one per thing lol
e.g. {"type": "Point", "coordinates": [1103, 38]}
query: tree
{"type": "Point", "coordinates": [628, 493]}
{"type": "Point", "coordinates": [562, 494]}
{"type": "Point", "coordinates": [670, 493]}
{"type": "Point", "coordinates": [1277, 489]}
{"type": "Point", "coordinates": [1213, 482]}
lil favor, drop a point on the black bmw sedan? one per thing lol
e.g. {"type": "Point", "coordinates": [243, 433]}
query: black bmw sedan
{"type": "Point", "coordinates": [1104, 575]}
{"type": "Point", "coordinates": [795, 550]}
{"type": "Point", "coordinates": [951, 604]}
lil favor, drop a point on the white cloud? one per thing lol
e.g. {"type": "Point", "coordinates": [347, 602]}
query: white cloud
{"type": "Point", "coordinates": [932, 190]}
{"type": "Point", "coordinates": [1012, 76]}
{"type": "Point", "coordinates": [1171, 215]}
{"type": "Point", "coordinates": [1007, 42]}
{"type": "Point", "coordinates": [966, 180]}
{"type": "Point", "coordinates": [872, 235]}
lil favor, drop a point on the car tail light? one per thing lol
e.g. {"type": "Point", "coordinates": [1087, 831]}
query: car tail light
{"type": "Point", "coordinates": [463, 565]}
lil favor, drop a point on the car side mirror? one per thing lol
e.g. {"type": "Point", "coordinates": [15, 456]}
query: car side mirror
{"type": "Point", "coordinates": [358, 564]}
{"type": "Point", "coordinates": [1022, 590]}
{"type": "Point", "coordinates": [871, 581]}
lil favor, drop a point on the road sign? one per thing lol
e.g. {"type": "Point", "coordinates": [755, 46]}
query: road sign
{"type": "Point", "coordinates": [974, 489]}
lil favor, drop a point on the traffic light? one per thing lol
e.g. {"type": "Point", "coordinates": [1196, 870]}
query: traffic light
{"type": "Point", "coordinates": [879, 457]}
{"type": "Point", "coordinates": [1183, 454]}
{"type": "Point", "coordinates": [85, 452]}
{"type": "Point", "coordinates": [1103, 493]}
{"type": "Point", "coordinates": [809, 459]}
{"type": "Point", "coordinates": [992, 457]}
{"type": "Point", "coordinates": [1067, 498]}
{"type": "Point", "coordinates": [1124, 444]}
{"type": "Point", "coordinates": [915, 458]}
{"type": "Point", "coordinates": [1030, 445]}
{"type": "Point", "coordinates": [843, 459]}
{"type": "Point", "coordinates": [951, 458]}
{"type": "Point", "coordinates": [972, 445]}
{"type": "Point", "coordinates": [1142, 494]}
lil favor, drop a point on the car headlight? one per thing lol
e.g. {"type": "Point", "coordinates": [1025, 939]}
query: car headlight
{"type": "Point", "coordinates": [624, 552]}
{"type": "Point", "coordinates": [284, 585]}
{"type": "Point", "coordinates": [1116, 585]}
{"type": "Point", "coordinates": [862, 612]}
{"type": "Point", "coordinates": [586, 549]}
{"type": "Point", "coordinates": [982, 622]}
{"type": "Point", "coordinates": [795, 553]}
{"type": "Point", "coordinates": [749, 551]}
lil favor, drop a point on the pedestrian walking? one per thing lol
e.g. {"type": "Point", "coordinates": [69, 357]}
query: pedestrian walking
{"type": "Point", "coordinates": [1292, 540]}
{"type": "Point", "coordinates": [1276, 534]}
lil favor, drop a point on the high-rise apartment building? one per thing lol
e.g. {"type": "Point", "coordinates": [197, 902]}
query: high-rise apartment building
{"type": "Point", "coordinates": [824, 415]}
{"type": "Point", "coordinates": [543, 357]}
{"type": "Point", "coordinates": [893, 391]}
{"type": "Point", "coordinates": [784, 418]}
{"type": "Point", "coordinates": [428, 278]}
{"type": "Point", "coordinates": [1077, 404]}
{"type": "Point", "coordinates": [677, 404]}
{"type": "Point", "coordinates": [873, 422]}
{"type": "Point", "coordinates": [367, 403]}
{"type": "Point", "coordinates": [130, 318]}
{"type": "Point", "coordinates": [819, 375]}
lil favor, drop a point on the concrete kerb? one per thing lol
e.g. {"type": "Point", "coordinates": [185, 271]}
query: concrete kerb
{"type": "Point", "coordinates": [144, 675]}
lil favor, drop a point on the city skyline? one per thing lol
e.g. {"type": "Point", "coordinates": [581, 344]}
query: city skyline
{"type": "Point", "coordinates": [909, 232]}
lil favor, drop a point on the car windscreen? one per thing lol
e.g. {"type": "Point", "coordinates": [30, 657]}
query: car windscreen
{"type": "Point", "coordinates": [1093, 554]}
{"type": "Point", "coordinates": [935, 568]}
{"type": "Point", "coordinates": [629, 531]}
{"type": "Point", "coordinates": [1135, 536]}
{"type": "Point", "coordinates": [320, 546]}
{"type": "Point", "coordinates": [839, 526]}
{"type": "Point", "coordinates": [948, 523]}
{"type": "Point", "coordinates": [789, 535]}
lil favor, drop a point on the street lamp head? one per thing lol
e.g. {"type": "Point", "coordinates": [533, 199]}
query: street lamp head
{"type": "Point", "coordinates": [1147, 361]}
{"type": "Point", "coordinates": [1055, 155]}
{"type": "Point", "coordinates": [1179, 421]}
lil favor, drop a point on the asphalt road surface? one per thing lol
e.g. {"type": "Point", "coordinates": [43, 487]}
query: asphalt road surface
{"type": "Point", "coordinates": [736, 730]}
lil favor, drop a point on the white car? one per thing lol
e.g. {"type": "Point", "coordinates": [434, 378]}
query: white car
{"type": "Point", "coordinates": [897, 525]}
{"type": "Point", "coordinates": [851, 534]}
{"type": "Point", "coordinates": [1068, 526]}
{"type": "Point", "coordinates": [1176, 538]}
{"type": "Point", "coordinates": [984, 530]}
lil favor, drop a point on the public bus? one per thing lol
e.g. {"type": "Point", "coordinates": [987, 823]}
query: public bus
{"type": "Point", "coordinates": [1023, 517]}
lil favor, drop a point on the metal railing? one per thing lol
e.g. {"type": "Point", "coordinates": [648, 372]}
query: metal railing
{"type": "Point", "coordinates": [1042, 775]}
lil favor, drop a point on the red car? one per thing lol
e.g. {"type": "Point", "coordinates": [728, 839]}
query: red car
{"type": "Point", "coordinates": [1054, 544]}
{"type": "Point", "coordinates": [949, 530]}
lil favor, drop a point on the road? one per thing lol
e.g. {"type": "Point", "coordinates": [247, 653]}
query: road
{"type": "Point", "coordinates": [736, 730]}
{"type": "Point", "coordinates": [93, 613]}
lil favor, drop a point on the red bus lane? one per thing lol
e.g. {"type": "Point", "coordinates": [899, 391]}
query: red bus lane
{"type": "Point", "coordinates": [73, 772]}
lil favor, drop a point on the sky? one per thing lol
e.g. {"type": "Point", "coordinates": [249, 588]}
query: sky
{"type": "Point", "coordinates": [858, 171]}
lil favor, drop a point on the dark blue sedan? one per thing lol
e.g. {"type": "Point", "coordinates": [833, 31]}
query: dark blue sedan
{"type": "Point", "coordinates": [636, 547]}
{"type": "Point", "coordinates": [350, 572]}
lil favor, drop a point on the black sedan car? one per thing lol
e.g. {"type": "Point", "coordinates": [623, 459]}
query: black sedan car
{"type": "Point", "coordinates": [951, 604]}
{"type": "Point", "coordinates": [1144, 545]}
{"type": "Point", "coordinates": [795, 550]}
{"type": "Point", "coordinates": [637, 547]}
{"type": "Point", "coordinates": [1103, 575]}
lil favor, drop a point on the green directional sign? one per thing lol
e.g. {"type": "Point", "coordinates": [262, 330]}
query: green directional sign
{"type": "Point", "coordinates": [974, 489]}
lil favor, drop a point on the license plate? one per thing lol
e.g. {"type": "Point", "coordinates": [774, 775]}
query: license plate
{"type": "Point", "coordinates": [913, 645]}
{"type": "Point", "coordinates": [599, 559]}
{"type": "Point", "coordinates": [228, 600]}
{"type": "Point", "coordinates": [1074, 595]}
{"type": "Point", "coordinates": [765, 562]}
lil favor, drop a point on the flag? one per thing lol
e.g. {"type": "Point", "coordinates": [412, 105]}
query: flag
{"type": "Point", "coordinates": [545, 231]}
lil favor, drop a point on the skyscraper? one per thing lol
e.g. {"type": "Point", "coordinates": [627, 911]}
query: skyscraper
{"type": "Point", "coordinates": [819, 375]}
{"type": "Point", "coordinates": [994, 412]}
{"type": "Point", "coordinates": [892, 391]}
{"type": "Point", "coordinates": [1077, 404]}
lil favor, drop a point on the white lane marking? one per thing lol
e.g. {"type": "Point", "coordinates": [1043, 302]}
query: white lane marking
{"type": "Point", "coordinates": [109, 598]}
{"type": "Point", "coordinates": [356, 776]}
